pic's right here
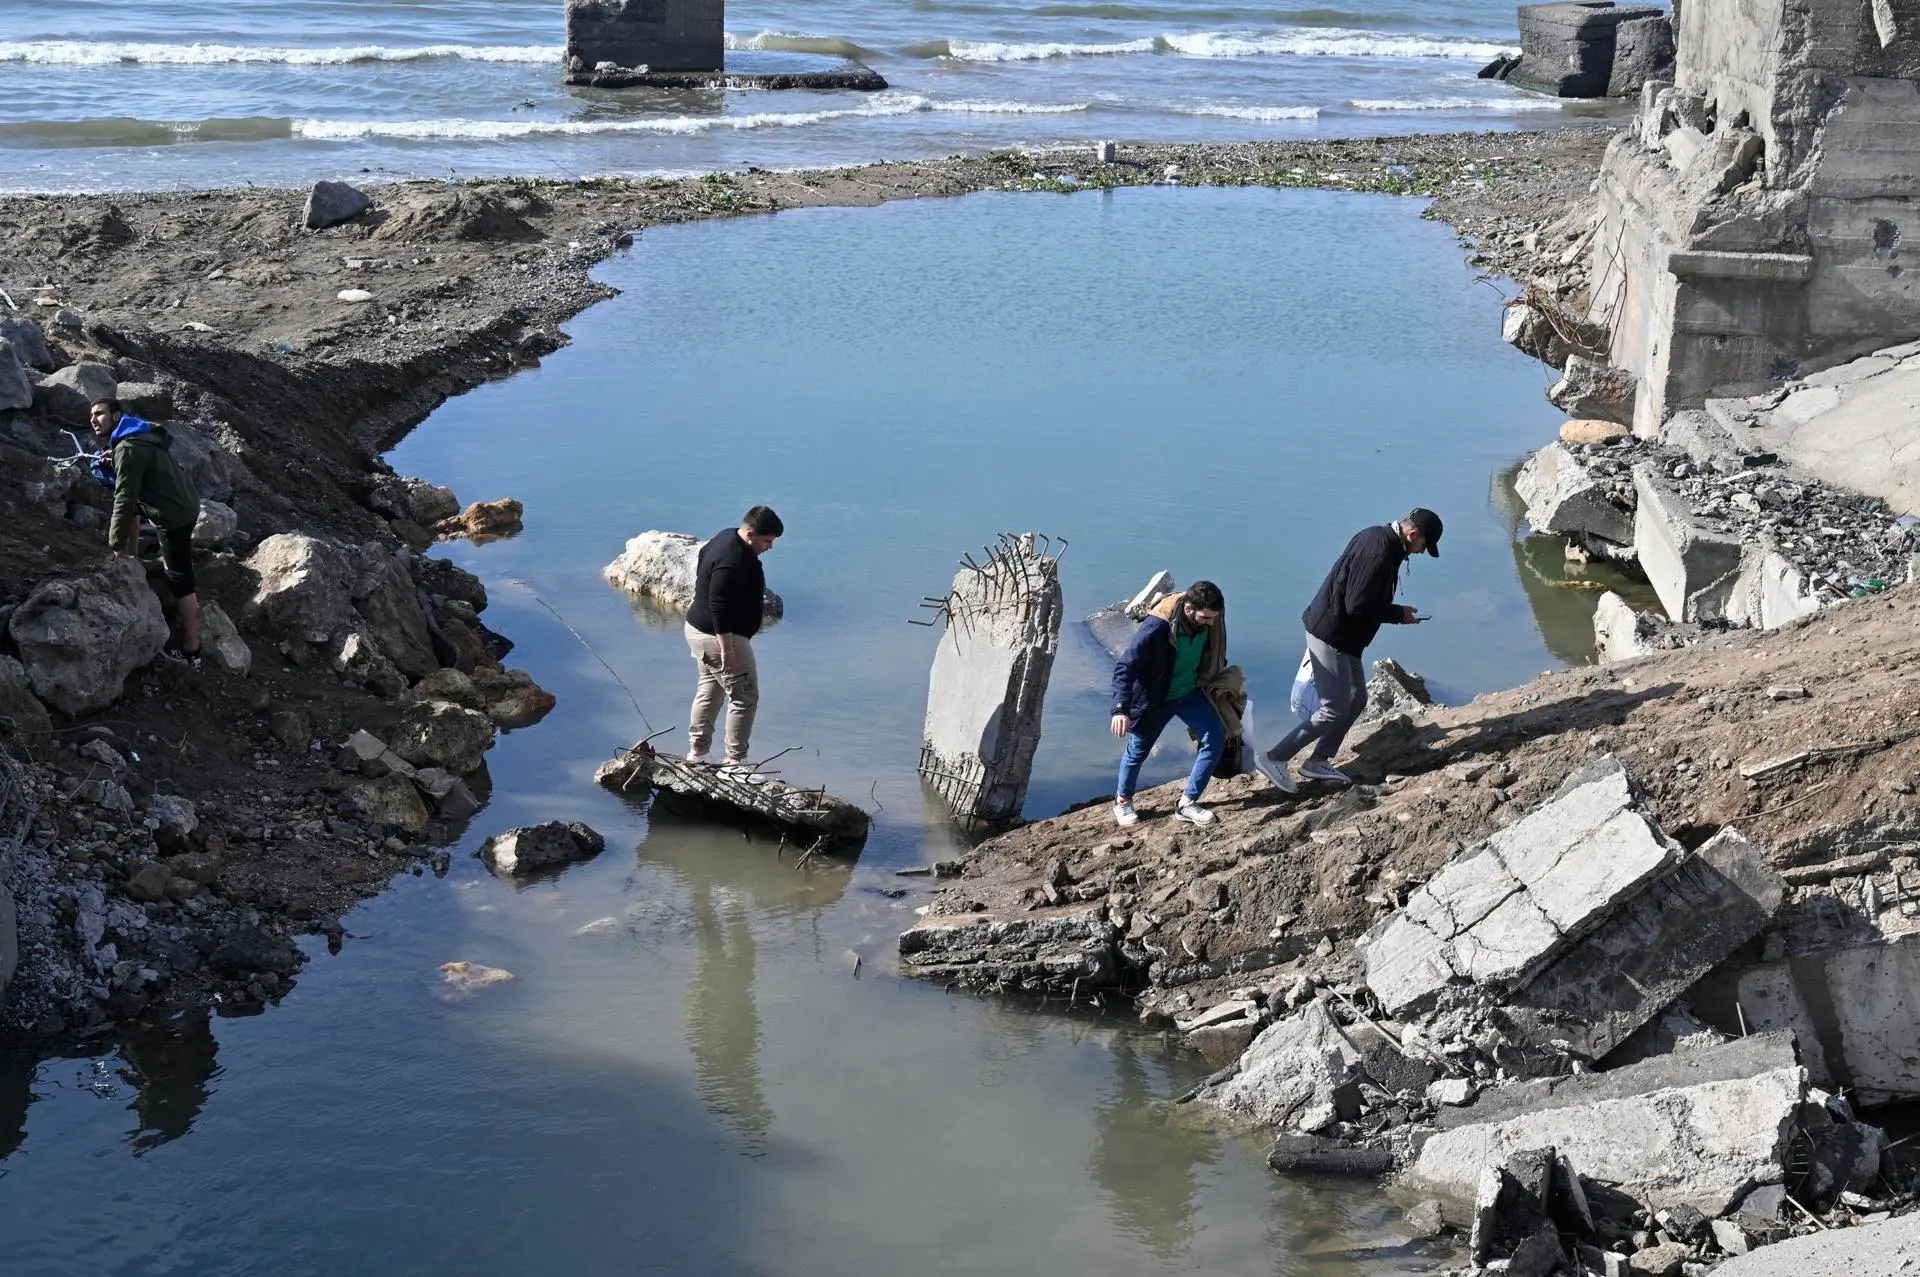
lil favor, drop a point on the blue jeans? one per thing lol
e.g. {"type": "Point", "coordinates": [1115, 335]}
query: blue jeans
{"type": "Point", "coordinates": [1197, 712]}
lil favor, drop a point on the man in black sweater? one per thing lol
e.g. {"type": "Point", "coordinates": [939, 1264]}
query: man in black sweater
{"type": "Point", "coordinates": [729, 600]}
{"type": "Point", "coordinates": [1354, 601]}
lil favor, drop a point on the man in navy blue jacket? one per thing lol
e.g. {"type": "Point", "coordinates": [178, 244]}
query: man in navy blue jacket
{"type": "Point", "coordinates": [1354, 601]}
{"type": "Point", "coordinates": [1161, 677]}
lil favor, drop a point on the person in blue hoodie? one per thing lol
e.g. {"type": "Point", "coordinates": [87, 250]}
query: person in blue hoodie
{"type": "Point", "coordinates": [146, 480]}
{"type": "Point", "coordinates": [1162, 676]}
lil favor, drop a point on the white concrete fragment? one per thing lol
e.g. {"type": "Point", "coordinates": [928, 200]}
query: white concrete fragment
{"type": "Point", "coordinates": [1691, 567]}
{"type": "Point", "coordinates": [1289, 1076]}
{"type": "Point", "coordinates": [1562, 497]}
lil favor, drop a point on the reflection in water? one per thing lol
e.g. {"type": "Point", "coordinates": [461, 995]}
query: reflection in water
{"type": "Point", "coordinates": [16, 1092]}
{"type": "Point", "coordinates": [1561, 593]}
{"type": "Point", "coordinates": [171, 1064]}
{"type": "Point", "coordinates": [1147, 1164]}
{"type": "Point", "coordinates": [723, 1028]}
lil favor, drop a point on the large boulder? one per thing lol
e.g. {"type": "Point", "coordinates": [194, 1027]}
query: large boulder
{"type": "Point", "coordinates": [438, 734]}
{"type": "Point", "coordinates": [28, 342]}
{"type": "Point", "coordinates": [147, 400]}
{"type": "Point", "coordinates": [661, 566]}
{"type": "Point", "coordinates": [15, 390]}
{"type": "Point", "coordinates": [331, 203]}
{"type": "Point", "coordinates": [71, 392]}
{"type": "Point", "coordinates": [80, 638]}
{"type": "Point", "coordinates": [304, 591]}
{"type": "Point", "coordinates": [22, 716]}
{"type": "Point", "coordinates": [217, 526]}
{"type": "Point", "coordinates": [1588, 388]}
{"type": "Point", "coordinates": [384, 595]}
{"type": "Point", "coordinates": [210, 466]}
{"type": "Point", "coordinates": [532, 848]}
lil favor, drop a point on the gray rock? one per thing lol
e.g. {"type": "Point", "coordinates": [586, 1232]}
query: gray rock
{"type": "Point", "coordinates": [172, 815]}
{"type": "Point", "coordinates": [989, 681]}
{"type": "Point", "coordinates": [28, 342]}
{"type": "Point", "coordinates": [216, 528]}
{"type": "Point", "coordinates": [1301, 1073]}
{"type": "Point", "coordinates": [1564, 497]}
{"type": "Point", "coordinates": [441, 735]}
{"type": "Point", "coordinates": [1499, 912]}
{"type": "Point", "coordinates": [1395, 689]}
{"type": "Point", "coordinates": [389, 801]}
{"type": "Point", "coordinates": [660, 566]}
{"type": "Point", "coordinates": [303, 591]}
{"type": "Point", "coordinates": [15, 390]}
{"type": "Point", "coordinates": [22, 716]}
{"type": "Point", "coordinates": [384, 596]}
{"type": "Point", "coordinates": [1590, 389]}
{"type": "Point", "coordinates": [428, 503]}
{"type": "Point", "coordinates": [80, 638]}
{"type": "Point", "coordinates": [1890, 1247]}
{"type": "Point", "coordinates": [331, 203]}
{"type": "Point", "coordinates": [528, 849]}
{"type": "Point", "coordinates": [146, 400]}
{"type": "Point", "coordinates": [1529, 331]}
{"type": "Point", "coordinates": [220, 640]}
{"type": "Point", "coordinates": [71, 392]}
{"type": "Point", "coordinates": [359, 659]}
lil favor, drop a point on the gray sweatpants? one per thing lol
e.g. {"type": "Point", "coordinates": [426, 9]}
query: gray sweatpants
{"type": "Point", "coordinates": [1340, 681]}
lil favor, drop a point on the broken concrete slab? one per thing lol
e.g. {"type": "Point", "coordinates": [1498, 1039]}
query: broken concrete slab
{"type": "Point", "coordinates": [1299, 1074]}
{"type": "Point", "coordinates": [988, 685]}
{"type": "Point", "coordinates": [1112, 626]}
{"type": "Point", "coordinates": [1699, 1128]}
{"type": "Point", "coordinates": [1650, 951]}
{"type": "Point", "coordinates": [1855, 1010]}
{"type": "Point", "coordinates": [1498, 913]}
{"type": "Point", "coordinates": [1692, 567]}
{"type": "Point", "coordinates": [1564, 497]}
{"type": "Point", "coordinates": [1620, 633]}
{"type": "Point", "coordinates": [1589, 388]}
{"type": "Point", "coordinates": [1890, 1247]}
{"type": "Point", "coordinates": [1770, 592]}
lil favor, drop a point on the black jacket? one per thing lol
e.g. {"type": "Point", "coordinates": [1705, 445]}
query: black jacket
{"type": "Point", "coordinates": [729, 588]}
{"type": "Point", "coordinates": [1356, 599]}
{"type": "Point", "coordinates": [1144, 672]}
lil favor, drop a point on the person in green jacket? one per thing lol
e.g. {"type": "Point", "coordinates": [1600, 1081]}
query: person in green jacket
{"type": "Point", "coordinates": [146, 480]}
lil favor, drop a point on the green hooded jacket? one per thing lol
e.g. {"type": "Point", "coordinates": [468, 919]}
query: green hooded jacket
{"type": "Point", "coordinates": [147, 480]}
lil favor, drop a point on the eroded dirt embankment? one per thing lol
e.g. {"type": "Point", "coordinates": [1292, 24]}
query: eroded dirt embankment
{"type": "Point", "coordinates": [295, 355]}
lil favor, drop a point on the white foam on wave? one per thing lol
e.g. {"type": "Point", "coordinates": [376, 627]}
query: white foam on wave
{"type": "Point", "coordinates": [89, 54]}
{"type": "Point", "coordinates": [1265, 113]}
{"type": "Point", "coordinates": [798, 42]}
{"type": "Point", "coordinates": [1455, 104]}
{"type": "Point", "coordinates": [1333, 42]}
{"type": "Point", "coordinates": [997, 51]}
{"type": "Point", "coordinates": [502, 130]}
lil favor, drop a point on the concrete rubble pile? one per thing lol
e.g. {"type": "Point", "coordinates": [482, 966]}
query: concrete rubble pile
{"type": "Point", "coordinates": [988, 685]}
{"type": "Point", "coordinates": [1523, 1048]}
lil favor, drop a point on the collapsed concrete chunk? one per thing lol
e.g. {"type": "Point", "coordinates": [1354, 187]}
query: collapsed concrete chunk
{"type": "Point", "coordinates": [1770, 592]}
{"type": "Point", "coordinates": [1852, 1009]}
{"type": "Point", "coordinates": [1054, 952]}
{"type": "Point", "coordinates": [1890, 1247]}
{"type": "Point", "coordinates": [1299, 1074]}
{"type": "Point", "coordinates": [989, 679]}
{"type": "Point", "coordinates": [1698, 1129]}
{"type": "Point", "coordinates": [1499, 912]}
{"type": "Point", "coordinates": [1691, 567]}
{"type": "Point", "coordinates": [1588, 388]}
{"type": "Point", "coordinates": [1652, 950]}
{"type": "Point", "coordinates": [1112, 626]}
{"type": "Point", "coordinates": [1563, 497]}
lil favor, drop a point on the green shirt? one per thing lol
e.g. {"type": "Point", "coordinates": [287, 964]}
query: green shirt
{"type": "Point", "coordinates": [1187, 651]}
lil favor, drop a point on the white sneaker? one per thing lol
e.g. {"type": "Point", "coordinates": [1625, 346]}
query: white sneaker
{"type": "Point", "coordinates": [1320, 769]}
{"type": "Point", "coordinates": [700, 760]}
{"type": "Point", "coordinates": [1275, 771]}
{"type": "Point", "coordinates": [743, 772]}
{"type": "Point", "coordinates": [1193, 813]}
{"type": "Point", "coordinates": [1124, 814]}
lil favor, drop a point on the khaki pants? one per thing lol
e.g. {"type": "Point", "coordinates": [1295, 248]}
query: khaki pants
{"type": "Point", "coordinates": [740, 689]}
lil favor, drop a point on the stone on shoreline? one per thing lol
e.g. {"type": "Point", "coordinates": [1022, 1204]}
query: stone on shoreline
{"type": "Point", "coordinates": [80, 638]}
{"type": "Point", "coordinates": [331, 203]}
{"type": "Point", "coordinates": [1588, 388]}
{"type": "Point", "coordinates": [443, 735]}
{"type": "Point", "coordinates": [1591, 432]}
{"type": "Point", "coordinates": [1299, 1074]}
{"type": "Point", "coordinates": [483, 521]}
{"type": "Point", "coordinates": [303, 591]}
{"type": "Point", "coordinates": [661, 565]}
{"type": "Point", "coordinates": [528, 849]}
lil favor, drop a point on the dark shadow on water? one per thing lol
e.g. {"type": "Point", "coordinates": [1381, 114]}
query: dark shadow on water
{"type": "Point", "coordinates": [173, 1067]}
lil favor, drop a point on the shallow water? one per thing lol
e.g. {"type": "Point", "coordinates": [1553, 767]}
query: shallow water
{"type": "Point", "coordinates": [734, 1078]}
{"type": "Point", "coordinates": [103, 94]}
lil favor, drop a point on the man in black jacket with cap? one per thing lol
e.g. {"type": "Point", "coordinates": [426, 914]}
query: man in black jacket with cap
{"type": "Point", "coordinates": [729, 599]}
{"type": "Point", "coordinates": [1354, 601]}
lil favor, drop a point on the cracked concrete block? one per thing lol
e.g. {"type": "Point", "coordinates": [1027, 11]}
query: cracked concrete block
{"type": "Point", "coordinates": [1691, 567]}
{"type": "Point", "coordinates": [989, 680]}
{"type": "Point", "coordinates": [1855, 1011]}
{"type": "Point", "coordinates": [1770, 592]}
{"type": "Point", "coordinates": [1591, 389]}
{"type": "Point", "coordinates": [1563, 497]}
{"type": "Point", "coordinates": [1651, 951]}
{"type": "Point", "coordinates": [1499, 912]}
{"type": "Point", "coordinates": [1296, 1075]}
{"type": "Point", "coordinates": [1698, 1129]}
{"type": "Point", "coordinates": [1890, 1247]}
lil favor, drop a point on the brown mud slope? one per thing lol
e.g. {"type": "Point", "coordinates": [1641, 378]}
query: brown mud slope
{"type": "Point", "coordinates": [221, 300]}
{"type": "Point", "coordinates": [1278, 887]}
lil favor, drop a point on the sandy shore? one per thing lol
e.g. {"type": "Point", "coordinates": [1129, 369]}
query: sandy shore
{"type": "Point", "coordinates": [223, 301]}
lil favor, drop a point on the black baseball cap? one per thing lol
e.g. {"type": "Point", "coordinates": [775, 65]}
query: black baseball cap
{"type": "Point", "coordinates": [1428, 524]}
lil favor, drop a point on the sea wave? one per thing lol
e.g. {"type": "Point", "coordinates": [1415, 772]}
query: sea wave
{"type": "Point", "coordinates": [1009, 51]}
{"type": "Point", "coordinates": [792, 42]}
{"type": "Point", "coordinates": [1455, 104]}
{"type": "Point", "coordinates": [90, 54]}
{"type": "Point", "coordinates": [1265, 113]}
{"type": "Point", "coordinates": [501, 130]}
{"type": "Point", "coordinates": [1333, 42]}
